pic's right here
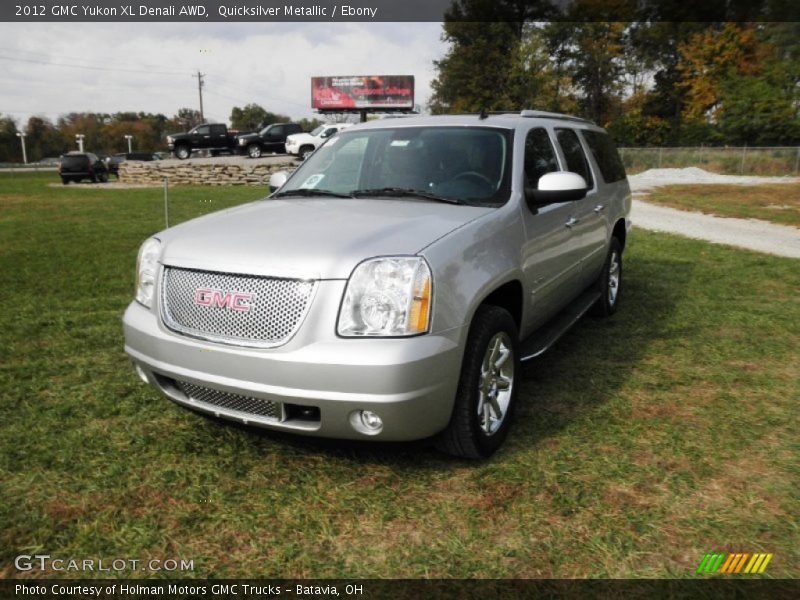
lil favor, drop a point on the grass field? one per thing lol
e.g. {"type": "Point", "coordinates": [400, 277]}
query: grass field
{"type": "Point", "coordinates": [729, 161]}
{"type": "Point", "coordinates": [642, 442]}
{"type": "Point", "coordinates": [779, 203]}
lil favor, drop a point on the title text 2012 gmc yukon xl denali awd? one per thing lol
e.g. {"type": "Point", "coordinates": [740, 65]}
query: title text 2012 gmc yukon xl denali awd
{"type": "Point", "coordinates": [391, 286]}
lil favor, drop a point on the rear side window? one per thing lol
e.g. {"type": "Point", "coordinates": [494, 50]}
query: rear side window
{"type": "Point", "coordinates": [218, 129]}
{"type": "Point", "coordinates": [573, 152]}
{"type": "Point", "coordinates": [605, 155]}
{"type": "Point", "coordinates": [540, 158]}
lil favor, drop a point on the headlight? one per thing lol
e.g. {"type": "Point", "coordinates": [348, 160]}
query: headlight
{"type": "Point", "coordinates": [242, 142]}
{"type": "Point", "coordinates": [146, 269]}
{"type": "Point", "coordinates": [387, 297]}
{"type": "Point", "coordinates": [170, 139]}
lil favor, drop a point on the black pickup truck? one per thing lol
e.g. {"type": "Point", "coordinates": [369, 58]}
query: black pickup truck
{"type": "Point", "coordinates": [209, 136]}
{"type": "Point", "coordinates": [271, 138]}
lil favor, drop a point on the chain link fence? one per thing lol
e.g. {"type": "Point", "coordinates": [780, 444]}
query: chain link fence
{"type": "Point", "coordinates": [777, 160]}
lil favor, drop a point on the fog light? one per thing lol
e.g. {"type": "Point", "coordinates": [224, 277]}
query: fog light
{"type": "Point", "coordinates": [142, 375]}
{"type": "Point", "coordinates": [371, 421]}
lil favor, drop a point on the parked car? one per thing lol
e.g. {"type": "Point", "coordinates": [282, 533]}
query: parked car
{"type": "Point", "coordinates": [390, 287]}
{"type": "Point", "coordinates": [271, 138]}
{"type": "Point", "coordinates": [213, 137]}
{"type": "Point", "coordinates": [77, 166]}
{"type": "Point", "coordinates": [113, 162]}
{"type": "Point", "coordinates": [303, 144]}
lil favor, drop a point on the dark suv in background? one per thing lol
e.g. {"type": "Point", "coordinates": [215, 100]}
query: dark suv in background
{"type": "Point", "coordinates": [76, 166]}
{"type": "Point", "coordinates": [271, 138]}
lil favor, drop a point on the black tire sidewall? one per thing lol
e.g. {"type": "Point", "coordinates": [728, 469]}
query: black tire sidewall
{"type": "Point", "coordinates": [604, 308]}
{"type": "Point", "coordinates": [488, 321]}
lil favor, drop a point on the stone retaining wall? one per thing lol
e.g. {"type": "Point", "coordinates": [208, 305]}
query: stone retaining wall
{"type": "Point", "coordinates": [222, 171]}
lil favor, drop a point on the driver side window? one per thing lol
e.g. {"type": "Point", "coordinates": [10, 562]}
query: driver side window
{"type": "Point", "coordinates": [540, 158]}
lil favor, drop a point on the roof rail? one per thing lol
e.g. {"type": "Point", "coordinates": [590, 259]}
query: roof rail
{"type": "Point", "coordinates": [552, 115]}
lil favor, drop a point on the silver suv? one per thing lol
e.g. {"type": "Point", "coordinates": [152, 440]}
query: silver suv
{"type": "Point", "coordinates": [389, 288]}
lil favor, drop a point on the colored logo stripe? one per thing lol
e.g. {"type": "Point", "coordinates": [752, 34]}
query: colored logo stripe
{"type": "Point", "coordinates": [734, 563]}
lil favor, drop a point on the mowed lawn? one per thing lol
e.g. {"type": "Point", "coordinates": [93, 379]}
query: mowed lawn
{"type": "Point", "coordinates": [642, 442]}
{"type": "Point", "coordinates": [777, 202]}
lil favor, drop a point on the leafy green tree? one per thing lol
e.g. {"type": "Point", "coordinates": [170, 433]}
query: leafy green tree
{"type": "Point", "coordinates": [10, 147]}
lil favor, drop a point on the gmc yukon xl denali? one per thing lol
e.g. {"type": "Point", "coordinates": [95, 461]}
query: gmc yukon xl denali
{"type": "Point", "coordinates": [389, 288]}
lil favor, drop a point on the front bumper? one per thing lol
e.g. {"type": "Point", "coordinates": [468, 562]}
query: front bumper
{"type": "Point", "coordinates": [292, 148]}
{"type": "Point", "coordinates": [409, 382]}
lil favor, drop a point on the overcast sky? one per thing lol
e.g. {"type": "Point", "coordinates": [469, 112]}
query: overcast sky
{"type": "Point", "coordinates": [269, 64]}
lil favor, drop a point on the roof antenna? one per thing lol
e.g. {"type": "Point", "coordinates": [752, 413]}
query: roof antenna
{"type": "Point", "coordinates": [483, 114]}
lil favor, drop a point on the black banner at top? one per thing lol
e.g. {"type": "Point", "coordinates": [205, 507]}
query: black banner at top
{"type": "Point", "coordinates": [264, 11]}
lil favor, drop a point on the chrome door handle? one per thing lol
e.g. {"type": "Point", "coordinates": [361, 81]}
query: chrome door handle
{"type": "Point", "coordinates": [572, 221]}
{"type": "Point", "coordinates": [599, 208]}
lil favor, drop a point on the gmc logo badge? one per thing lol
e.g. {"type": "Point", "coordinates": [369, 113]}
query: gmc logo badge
{"type": "Point", "coordinates": [238, 301]}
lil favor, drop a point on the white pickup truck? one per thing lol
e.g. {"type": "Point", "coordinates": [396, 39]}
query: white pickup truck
{"type": "Point", "coordinates": [303, 144]}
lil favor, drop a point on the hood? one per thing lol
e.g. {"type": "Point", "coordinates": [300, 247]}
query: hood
{"type": "Point", "coordinates": [247, 136]}
{"type": "Point", "coordinates": [313, 238]}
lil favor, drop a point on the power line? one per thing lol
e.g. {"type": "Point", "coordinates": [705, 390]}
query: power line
{"type": "Point", "coordinates": [6, 50]}
{"type": "Point", "coordinates": [114, 69]}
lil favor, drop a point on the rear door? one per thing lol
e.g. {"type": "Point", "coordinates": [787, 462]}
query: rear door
{"type": "Point", "coordinates": [219, 136]}
{"type": "Point", "coordinates": [590, 226]}
{"type": "Point", "coordinates": [550, 261]}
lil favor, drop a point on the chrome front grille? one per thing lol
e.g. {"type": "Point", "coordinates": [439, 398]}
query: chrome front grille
{"type": "Point", "coordinates": [235, 309]}
{"type": "Point", "coordinates": [231, 402]}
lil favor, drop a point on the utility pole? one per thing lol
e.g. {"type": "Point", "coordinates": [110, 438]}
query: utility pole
{"type": "Point", "coordinates": [129, 138]}
{"type": "Point", "coordinates": [79, 137]}
{"type": "Point", "coordinates": [200, 91]}
{"type": "Point", "coordinates": [21, 137]}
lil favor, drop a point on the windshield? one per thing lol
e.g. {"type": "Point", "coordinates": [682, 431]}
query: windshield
{"type": "Point", "coordinates": [318, 130]}
{"type": "Point", "coordinates": [467, 164]}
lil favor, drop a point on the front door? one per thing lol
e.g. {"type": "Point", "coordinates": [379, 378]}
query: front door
{"type": "Point", "coordinates": [550, 261]}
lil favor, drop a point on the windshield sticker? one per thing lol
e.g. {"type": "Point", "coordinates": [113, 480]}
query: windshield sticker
{"type": "Point", "coordinates": [312, 181]}
{"type": "Point", "coordinates": [401, 143]}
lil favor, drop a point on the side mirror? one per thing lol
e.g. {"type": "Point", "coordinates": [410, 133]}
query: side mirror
{"type": "Point", "coordinates": [277, 179]}
{"type": "Point", "coordinates": [560, 186]}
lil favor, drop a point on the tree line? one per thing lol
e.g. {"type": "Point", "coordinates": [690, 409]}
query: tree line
{"type": "Point", "coordinates": [105, 132]}
{"type": "Point", "coordinates": [650, 83]}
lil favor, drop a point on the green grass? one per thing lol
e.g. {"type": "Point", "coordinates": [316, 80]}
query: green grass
{"type": "Point", "coordinates": [642, 442]}
{"type": "Point", "coordinates": [779, 203]}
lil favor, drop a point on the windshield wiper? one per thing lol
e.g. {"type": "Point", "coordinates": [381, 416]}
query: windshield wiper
{"type": "Point", "coordinates": [307, 192]}
{"type": "Point", "coordinates": [397, 192]}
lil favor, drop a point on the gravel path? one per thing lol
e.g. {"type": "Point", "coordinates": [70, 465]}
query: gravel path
{"type": "Point", "coordinates": [752, 234]}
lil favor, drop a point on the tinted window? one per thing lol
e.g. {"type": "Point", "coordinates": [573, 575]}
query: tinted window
{"type": "Point", "coordinates": [277, 130]}
{"type": "Point", "coordinates": [218, 129]}
{"type": "Point", "coordinates": [204, 130]}
{"type": "Point", "coordinates": [74, 160]}
{"type": "Point", "coordinates": [540, 158]}
{"type": "Point", "coordinates": [573, 153]}
{"type": "Point", "coordinates": [605, 155]}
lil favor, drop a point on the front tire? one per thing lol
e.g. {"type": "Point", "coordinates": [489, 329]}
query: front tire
{"type": "Point", "coordinates": [609, 283]}
{"type": "Point", "coordinates": [487, 388]}
{"type": "Point", "coordinates": [254, 151]}
{"type": "Point", "coordinates": [305, 151]}
{"type": "Point", "coordinates": [182, 152]}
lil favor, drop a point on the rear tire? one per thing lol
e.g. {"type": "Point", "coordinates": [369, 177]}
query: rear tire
{"type": "Point", "coordinates": [103, 177]}
{"type": "Point", "coordinates": [254, 151]}
{"type": "Point", "coordinates": [64, 180]}
{"type": "Point", "coordinates": [609, 284]}
{"type": "Point", "coordinates": [487, 387]}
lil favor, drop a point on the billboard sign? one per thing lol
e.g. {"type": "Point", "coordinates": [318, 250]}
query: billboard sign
{"type": "Point", "coordinates": [356, 92]}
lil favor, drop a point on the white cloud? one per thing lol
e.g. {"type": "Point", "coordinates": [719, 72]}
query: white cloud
{"type": "Point", "coordinates": [152, 64]}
